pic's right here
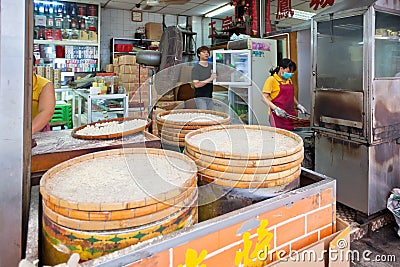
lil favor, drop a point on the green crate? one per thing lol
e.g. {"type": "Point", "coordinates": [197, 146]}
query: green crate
{"type": "Point", "coordinates": [63, 112]}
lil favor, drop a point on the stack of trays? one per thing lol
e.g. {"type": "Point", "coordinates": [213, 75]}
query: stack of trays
{"type": "Point", "coordinates": [105, 201]}
{"type": "Point", "coordinates": [174, 125]}
{"type": "Point", "coordinates": [247, 157]}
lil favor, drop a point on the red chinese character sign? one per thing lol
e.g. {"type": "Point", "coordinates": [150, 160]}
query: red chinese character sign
{"type": "Point", "coordinates": [284, 9]}
{"type": "Point", "coordinates": [323, 3]}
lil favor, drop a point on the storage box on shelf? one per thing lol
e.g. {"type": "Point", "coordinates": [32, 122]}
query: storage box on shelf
{"type": "Point", "coordinates": [129, 46]}
{"type": "Point", "coordinates": [153, 30]}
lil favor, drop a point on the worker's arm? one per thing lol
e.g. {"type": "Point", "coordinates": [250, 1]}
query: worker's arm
{"type": "Point", "coordinates": [197, 83]}
{"type": "Point", "coordinates": [47, 102]}
{"type": "Point", "coordinates": [268, 102]}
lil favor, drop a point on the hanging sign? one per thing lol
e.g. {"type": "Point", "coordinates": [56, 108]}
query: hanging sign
{"type": "Point", "coordinates": [323, 3]}
{"type": "Point", "coordinates": [284, 9]}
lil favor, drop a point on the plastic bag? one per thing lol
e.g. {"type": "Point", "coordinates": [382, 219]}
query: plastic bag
{"type": "Point", "coordinates": [393, 205]}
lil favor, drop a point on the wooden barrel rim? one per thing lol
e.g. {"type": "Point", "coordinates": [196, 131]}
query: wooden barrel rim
{"type": "Point", "coordinates": [247, 156]}
{"type": "Point", "coordinates": [250, 185]}
{"type": "Point", "coordinates": [201, 164]}
{"type": "Point", "coordinates": [110, 136]}
{"type": "Point", "coordinates": [92, 206]}
{"type": "Point", "coordinates": [173, 134]}
{"type": "Point", "coordinates": [120, 214]}
{"type": "Point", "coordinates": [225, 117]}
{"type": "Point", "coordinates": [245, 162]}
{"type": "Point", "coordinates": [172, 138]}
{"type": "Point", "coordinates": [163, 125]}
{"type": "Point", "coordinates": [84, 235]}
{"type": "Point", "coordinates": [249, 177]}
{"type": "Point", "coordinates": [153, 218]}
{"type": "Point", "coordinates": [171, 142]}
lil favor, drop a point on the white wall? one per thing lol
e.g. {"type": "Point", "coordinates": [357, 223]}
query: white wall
{"type": "Point", "coordinates": [118, 23]}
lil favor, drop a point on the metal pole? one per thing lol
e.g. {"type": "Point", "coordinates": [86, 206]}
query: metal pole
{"type": "Point", "coordinates": [150, 105]}
{"type": "Point", "coordinates": [16, 62]}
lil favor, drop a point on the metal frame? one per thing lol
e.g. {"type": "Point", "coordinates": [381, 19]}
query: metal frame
{"type": "Point", "coordinates": [368, 159]}
{"type": "Point", "coordinates": [16, 63]}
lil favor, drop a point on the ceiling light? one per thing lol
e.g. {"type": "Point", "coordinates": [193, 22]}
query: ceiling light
{"type": "Point", "coordinates": [303, 15]}
{"type": "Point", "coordinates": [219, 10]}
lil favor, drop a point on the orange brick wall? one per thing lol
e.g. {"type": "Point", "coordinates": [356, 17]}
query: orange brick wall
{"type": "Point", "coordinates": [290, 227]}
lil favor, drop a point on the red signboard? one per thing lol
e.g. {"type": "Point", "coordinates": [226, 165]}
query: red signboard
{"type": "Point", "coordinates": [284, 9]}
{"type": "Point", "coordinates": [323, 3]}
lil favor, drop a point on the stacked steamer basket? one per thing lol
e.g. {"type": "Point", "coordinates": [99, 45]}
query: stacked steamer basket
{"type": "Point", "coordinates": [105, 201]}
{"type": "Point", "coordinates": [174, 125]}
{"type": "Point", "coordinates": [253, 160]}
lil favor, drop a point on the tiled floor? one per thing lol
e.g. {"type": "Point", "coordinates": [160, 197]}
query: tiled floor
{"type": "Point", "coordinates": [359, 230]}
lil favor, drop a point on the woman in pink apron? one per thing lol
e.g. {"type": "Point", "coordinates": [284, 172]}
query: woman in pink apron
{"type": "Point", "coordinates": [278, 94]}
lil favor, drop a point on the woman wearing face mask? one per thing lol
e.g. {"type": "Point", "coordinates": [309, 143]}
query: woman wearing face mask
{"type": "Point", "coordinates": [278, 94]}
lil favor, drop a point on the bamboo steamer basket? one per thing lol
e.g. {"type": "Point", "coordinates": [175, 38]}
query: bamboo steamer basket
{"type": "Point", "coordinates": [146, 123]}
{"type": "Point", "coordinates": [164, 119]}
{"type": "Point", "coordinates": [173, 129]}
{"type": "Point", "coordinates": [244, 142]}
{"type": "Point", "coordinates": [111, 193]}
{"type": "Point", "coordinates": [247, 157]}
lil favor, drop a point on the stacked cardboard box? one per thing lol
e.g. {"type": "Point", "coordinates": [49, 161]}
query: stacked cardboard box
{"type": "Point", "coordinates": [134, 78]}
{"type": "Point", "coordinates": [153, 30]}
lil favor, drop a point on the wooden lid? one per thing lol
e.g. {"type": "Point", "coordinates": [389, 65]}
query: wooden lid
{"type": "Point", "coordinates": [143, 124]}
{"type": "Point", "coordinates": [118, 179]}
{"type": "Point", "coordinates": [244, 142]}
{"type": "Point", "coordinates": [194, 117]}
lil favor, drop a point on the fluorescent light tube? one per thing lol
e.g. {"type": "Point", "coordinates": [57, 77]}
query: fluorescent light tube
{"type": "Point", "coordinates": [219, 10]}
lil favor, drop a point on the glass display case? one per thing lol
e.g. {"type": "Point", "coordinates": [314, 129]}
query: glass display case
{"type": "Point", "coordinates": [87, 108]}
{"type": "Point", "coordinates": [233, 67]}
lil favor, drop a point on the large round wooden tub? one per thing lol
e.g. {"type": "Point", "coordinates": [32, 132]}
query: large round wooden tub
{"type": "Point", "coordinates": [173, 125]}
{"type": "Point", "coordinates": [264, 159]}
{"type": "Point", "coordinates": [105, 201]}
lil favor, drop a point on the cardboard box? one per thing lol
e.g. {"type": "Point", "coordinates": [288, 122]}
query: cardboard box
{"type": "Point", "coordinates": [83, 35]}
{"type": "Point", "coordinates": [128, 78]}
{"type": "Point", "coordinates": [127, 60]}
{"type": "Point", "coordinates": [115, 61]}
{"type": "Point", "coordinates": [153, 30]}
{"type": "Point", "coordinates": [109, 68]}
{"type": "Point", "coordinates": [337, 245]}
{"type": "Point", "coordinates": [92, 36]}
{"type": "Point", "coordinates": [130, 87]}
{"type": "Point", "coordinates": [129, 69]}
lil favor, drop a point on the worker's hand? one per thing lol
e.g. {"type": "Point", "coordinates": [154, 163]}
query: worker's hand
{"type": "Point", "coordinates": [213, 76]}
{"type": "Point", "coordinates": [301, 109]}
{"type": "Point", "coordinates": [279, 112]}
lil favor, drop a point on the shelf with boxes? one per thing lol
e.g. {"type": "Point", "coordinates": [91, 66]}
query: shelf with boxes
{"type": "Point", "coordinates": [66, 34]}
{"type": "Point", "coordinates": [129, 46]}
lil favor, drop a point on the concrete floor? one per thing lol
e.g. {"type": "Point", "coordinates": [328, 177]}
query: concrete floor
{"type": "Point", "coordinates": [383, 244]}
